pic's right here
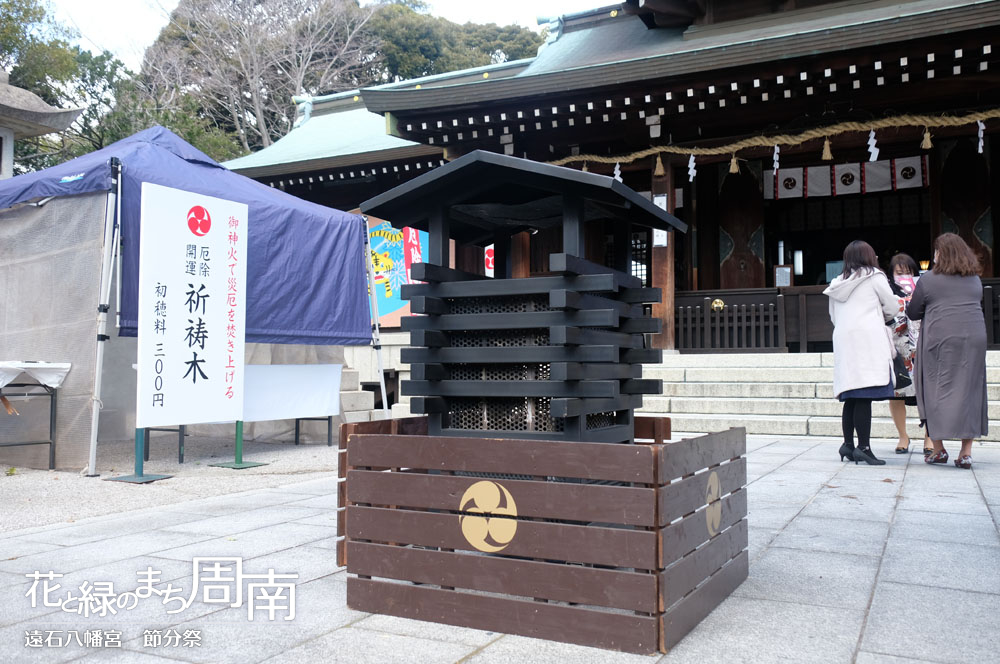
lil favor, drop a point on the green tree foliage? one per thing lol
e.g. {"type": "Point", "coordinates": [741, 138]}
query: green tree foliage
{"type": "Point", "coordinates": [415, 44]}
{"type": "Point", "coordinates": [34, 48]}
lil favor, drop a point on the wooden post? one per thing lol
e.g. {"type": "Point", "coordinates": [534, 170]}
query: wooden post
{"type": "Point", "coordinates": [662, 265]}
{"type": "Point", "coordinates": [574, 242]}
{"type": "Point", "coordinates": [439, 247]}
{"type": "Point", "coordinates": [520, 256]}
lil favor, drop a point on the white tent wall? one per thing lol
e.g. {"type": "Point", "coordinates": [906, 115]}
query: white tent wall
{"type": "Point", "coordinates": [50, 272]}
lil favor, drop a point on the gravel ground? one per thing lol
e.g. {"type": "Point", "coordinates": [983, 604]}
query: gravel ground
{"type": "Point", "coordinates": [41, 497]}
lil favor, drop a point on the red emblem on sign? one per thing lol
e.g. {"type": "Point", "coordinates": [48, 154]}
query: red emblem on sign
{"type": "Point", "coordinates": [199, 221]}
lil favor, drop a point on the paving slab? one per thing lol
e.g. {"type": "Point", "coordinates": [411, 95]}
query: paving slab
{"type": "Point", "coordinates": [945, 527]}
{"type": "Point", "coordinates": [970, 567]}
{"type": "Point", "coordinates": [935, 624]}
{"type": "Point", "coordinates": [949, 503]}
{"type": "Point", "coordinates": [252, 543]}
{"type": "Point", "coordinates": [523, 649]}
{"type": "Point", "coordinates": [851, 506]}
{"type": "Point", "coordinates": [239, 522]}
{"type": "Point", "coordinates": [753, 631]}
{"type": "Point", "coordinates": [814, 577]}
{"type": "Point", "coordinates": [360, 646]}
{"type": "Point", "coordinates": [434, 631]}
{"type": "Point", "coordinates": [858, 537]}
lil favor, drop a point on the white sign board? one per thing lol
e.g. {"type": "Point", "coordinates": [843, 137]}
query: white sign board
{"type": "Point", "coordinates": [290, 391]}
{"type": "Point", "coordinates": [192, 308]}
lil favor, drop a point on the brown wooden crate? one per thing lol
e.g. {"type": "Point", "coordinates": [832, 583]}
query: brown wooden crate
{"type": "Point", "coordinates": [404, 425]}
{"type": "Point", "coordinates": [690, 611]}
{"type": "Point", "coordinates": [656, 429]}
{"type": "Point", "coordinates": [682, 576]}
{"type": "Point", "coordinates": [615, 631]}
{"type": "Point", "coordinates": [692, 454]}
{"type": "Point", "coordinates": [679, 539]}
{"type": "Point", "coordinates": [614, 547]}
{"type": "Point", "coordinates": [680, 498]}
{"type": "Point", "coordinates": [566, 583]}
{"type": "Point", "coordinates": [598, 461]}
{"type": "Point", "coordinates": [553, 500]}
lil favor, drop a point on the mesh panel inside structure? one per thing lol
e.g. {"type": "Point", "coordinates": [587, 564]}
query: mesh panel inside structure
{"type": "Point", "coordinates": [506, 414]}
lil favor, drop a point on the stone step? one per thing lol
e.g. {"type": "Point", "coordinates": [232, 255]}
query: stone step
{"type": "Point", "coordinates": [350, 380]}
{"type": "Point", "coordinates": [754, 360]}
{"type": "Point", "coordinates": [356, 400]}
{"type": "Point", "coordinates": [797, 425]}
{"type": "Point", "coordinates": [761, 406]}
{"type": "Point", "coordinates": [883, 428]}
{"type": "Point", "coordinates": [822, 375]}
{"type": "Point", "coordinates": [730, 390]}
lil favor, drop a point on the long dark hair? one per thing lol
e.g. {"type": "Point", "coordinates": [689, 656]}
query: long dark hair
{"type": "Point", "coordinates": [859, 255]}
{"type": "Point", "coordinates": [907, 262]}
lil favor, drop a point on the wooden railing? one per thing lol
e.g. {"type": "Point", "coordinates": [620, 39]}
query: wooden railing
{"type": "Point", "coordinates": [754, 327]}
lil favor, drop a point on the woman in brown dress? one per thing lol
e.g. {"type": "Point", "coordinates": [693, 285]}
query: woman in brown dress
{"type": "Point", "coordinates": [950, 366]}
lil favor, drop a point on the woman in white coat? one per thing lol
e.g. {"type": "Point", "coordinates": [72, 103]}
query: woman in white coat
{"type": "Point", "coordinates": [860, 303]}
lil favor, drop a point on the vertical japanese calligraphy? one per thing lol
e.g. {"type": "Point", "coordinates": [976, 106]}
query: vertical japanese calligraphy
{"type": "Point", "coordinates": [192, 308]}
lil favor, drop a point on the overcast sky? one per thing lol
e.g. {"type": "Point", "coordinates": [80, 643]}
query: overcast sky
{"type": "Point", "coordinates": [127, 28]}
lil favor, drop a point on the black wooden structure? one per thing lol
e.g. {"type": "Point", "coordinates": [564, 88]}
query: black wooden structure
{"type": "Point", "coordinates": [555, 357]}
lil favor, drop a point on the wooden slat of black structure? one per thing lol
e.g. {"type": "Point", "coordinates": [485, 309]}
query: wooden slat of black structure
{"type": "Point", "coordinates": [436, 273]}
{"type": "Point", "coordinates": [513, 355]}
{"type": "Point", "coordinates": [428, 372]}
{"type": "Point", "coordinates": [427, 405]}
{"type": "Point", "coordinates": [654, 428]}
{"type": "Point", "coordinates": [512, 321]}
{"type": "Point", "coordinates": [574, 300]}
{"type": "Point", "coordinates": [590, 283]}
{"type": "Point", "coordinates": [633, 506]}
{"type": "Point", "coordinates": [687, 495]}
{"type": "Point", "coordinates": [690, 611]}
{"type": "Point", "coordinates": [617, 463]}
{"type": "Point", "coordinates": [428, 338]}
{"type": "Point", "coordinates": [682, 576]}
{"type": "Point", "coordinates": [581, 371]}
{"type": "Point", "coordinates": [615, 631]}
{"type": "Point", "coordinates": [422, 304]}
{"type": "Point", "coordinates": [640, 295]}
{"type": "Point", "coordinates": [692, 454]}
{"type": "Point", "coordinates": [642, 356]}
{"type": "Point", "coordinates": [614, 589]}
{"type": "Point", "coordinates": [686, 535]}
{"type": "Point", "coordinates": [574, 407]}
{"type": "Point", "coordinates": [569, 264]}
{"type": "Point", "coordinates": [641, 326]}
{"type": "Point", "coordinates": [619, 433]}
{"type": "Point", "coordinates": [612, 547]}
{"type": "Point", "coordinates": [510, 388]}
{"type": "Point", "coordinates": [642, 386]}
{"type": "Point", "coordinates": [574, 336]}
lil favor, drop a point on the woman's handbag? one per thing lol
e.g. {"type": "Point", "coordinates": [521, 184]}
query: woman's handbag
{"type": "Point", "coordinates": [902, 375]}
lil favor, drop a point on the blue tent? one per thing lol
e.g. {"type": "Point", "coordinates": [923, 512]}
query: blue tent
{"type": "Point", "coordinates": [306, 281]}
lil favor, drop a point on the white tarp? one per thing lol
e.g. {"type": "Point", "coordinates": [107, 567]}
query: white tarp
{"type": "Point", "coordinates": [192, 307]}
{"type": "Point", "coordinates": [50, 374]}
{"type": "Point", "coordinates": [289, 391]}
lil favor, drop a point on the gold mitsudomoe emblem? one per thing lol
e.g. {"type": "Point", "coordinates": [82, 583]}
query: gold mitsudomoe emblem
{"type": "Point", "coordinates": [490, 532]}
{"type": "Point", "coordinates": [713, 514]}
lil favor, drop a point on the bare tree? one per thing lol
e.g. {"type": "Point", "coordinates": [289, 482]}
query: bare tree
{"type": "Point", "coordinates": [245, 59]}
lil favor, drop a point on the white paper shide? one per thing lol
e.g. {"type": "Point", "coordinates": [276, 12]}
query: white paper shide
{"type": "Point", "coordinates": [192, 308]}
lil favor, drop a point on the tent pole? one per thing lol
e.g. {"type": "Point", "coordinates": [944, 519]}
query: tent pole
{"type": "Point", "coordinates": [110, 242]}
{"type": "Point", "coordinates": [376, 337]}
{"type": "Point", "coordinates": [118, 253]}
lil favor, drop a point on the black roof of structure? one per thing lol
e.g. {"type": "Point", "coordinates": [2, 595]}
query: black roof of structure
{"type": "Point", "coordinates": [484, 192]}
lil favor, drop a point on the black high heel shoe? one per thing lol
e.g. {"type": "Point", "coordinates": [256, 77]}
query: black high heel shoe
{"type": "Point", "coordinates": [846, 453]}
{"type": "Point", "coordinates": [866, 456]}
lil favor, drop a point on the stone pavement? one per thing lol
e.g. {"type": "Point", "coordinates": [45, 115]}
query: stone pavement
{"type": "Point", "coordinates": [847, 564]}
